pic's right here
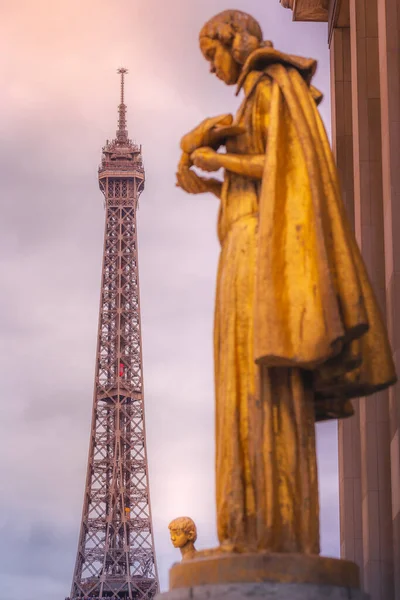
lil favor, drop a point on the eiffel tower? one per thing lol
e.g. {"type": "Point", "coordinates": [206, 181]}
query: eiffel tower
{"type": "Point", "coordinates": [116, 558]}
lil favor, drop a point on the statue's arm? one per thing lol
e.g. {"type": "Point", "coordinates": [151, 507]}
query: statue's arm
{"type": "Point", "coordinates": [248, 165]}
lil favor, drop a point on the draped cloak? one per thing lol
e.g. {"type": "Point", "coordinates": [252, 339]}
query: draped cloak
{"type": "Point", "coordinates": [314, 305]}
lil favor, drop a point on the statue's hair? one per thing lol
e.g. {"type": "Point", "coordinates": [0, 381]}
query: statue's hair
{"type": "Point", "coordinates": [226, 24]}
{"type": "Point", "coordinates": [186, 524]}
{"type": "Point", "coordinates": [236, 30]}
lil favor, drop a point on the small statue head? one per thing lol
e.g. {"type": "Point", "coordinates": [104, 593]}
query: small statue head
{"type": "Point", "coordinates": [227, 40]}
{"type": "Point", "coordinates": [183, 534]}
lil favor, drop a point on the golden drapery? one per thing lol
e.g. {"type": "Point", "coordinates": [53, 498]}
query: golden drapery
{"type": "Point", "coordinates": [297, 328]}
{"type": "Point", "coordinates": [315, 307]}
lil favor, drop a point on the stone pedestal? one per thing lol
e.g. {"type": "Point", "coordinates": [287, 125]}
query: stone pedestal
{"type": "Point", "coordinates": [219, 576]}
{"type": "Point", "coordinates": [264, 591]}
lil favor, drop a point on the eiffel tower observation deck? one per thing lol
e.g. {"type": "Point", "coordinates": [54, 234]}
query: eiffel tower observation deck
{"type": "Point", "coordinates": [116, 557]}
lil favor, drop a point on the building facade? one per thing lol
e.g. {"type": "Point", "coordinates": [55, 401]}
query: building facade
{"type": "Point", "coordinates": [363, 37]}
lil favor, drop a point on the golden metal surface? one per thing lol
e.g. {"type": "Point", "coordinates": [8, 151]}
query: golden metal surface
{"type": "Point", "coordinates": [297, 331]}
{"type": "Point", "coordinates": [282, 568]}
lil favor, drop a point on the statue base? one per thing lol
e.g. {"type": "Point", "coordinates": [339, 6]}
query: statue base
{"type": "Point", "coordinates": [222, 576]}
{"type": "Point", "coordinates": [264, 591]}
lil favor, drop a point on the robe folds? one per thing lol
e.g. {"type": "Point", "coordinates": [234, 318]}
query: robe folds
{"type": "Point", "coordinates": [314, 304]}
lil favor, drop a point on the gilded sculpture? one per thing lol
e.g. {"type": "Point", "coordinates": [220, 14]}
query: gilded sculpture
{"type": "Point", "coordinates": [183, 534]}
{"type": "Point", "coordinates": [297, 329]}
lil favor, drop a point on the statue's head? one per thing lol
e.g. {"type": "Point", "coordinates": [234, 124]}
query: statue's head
{"type": "Point", "coordinates": [182, 531]}
{"type": "Point", "coordinates": [226, 41]}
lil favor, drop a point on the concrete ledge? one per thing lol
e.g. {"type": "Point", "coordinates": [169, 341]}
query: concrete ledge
{"type": "Point", "coordinates": [215, 567]}
{"type": "Point", "coordinates": [264, 591]}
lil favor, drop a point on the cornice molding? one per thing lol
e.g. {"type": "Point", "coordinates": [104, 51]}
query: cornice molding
{"type": "Point", "coordinates": [307, 10]}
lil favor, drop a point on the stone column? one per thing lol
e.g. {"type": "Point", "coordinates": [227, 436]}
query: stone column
{"type": "Point", "coordinates": [376, 501]}
{"type": "Point", "coordinates": [389, 68]}
{"type": "Point", "coordinates": [351, 543]}
{"type": "Point", "coordinates": [342, 128]}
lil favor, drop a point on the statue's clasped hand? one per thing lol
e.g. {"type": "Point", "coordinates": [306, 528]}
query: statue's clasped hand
{"type": "Point", "coordinates": [199, 150]}
{"type": "Point", "coordinates": [206, 159]}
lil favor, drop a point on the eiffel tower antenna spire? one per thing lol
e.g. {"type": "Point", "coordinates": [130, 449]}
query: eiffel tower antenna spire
{"type": "Point", "coordinates": [122, 132]}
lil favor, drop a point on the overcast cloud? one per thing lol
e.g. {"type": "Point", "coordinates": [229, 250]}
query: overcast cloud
{"type": "Point", "coordinates": [59, 96]}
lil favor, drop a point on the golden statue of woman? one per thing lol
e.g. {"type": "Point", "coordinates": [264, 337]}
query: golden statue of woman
{"type": "Point", "coordinates": [298, 331]}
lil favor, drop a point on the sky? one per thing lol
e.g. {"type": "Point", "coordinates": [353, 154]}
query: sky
{"type": "Point", "coordinates": [59, 97]}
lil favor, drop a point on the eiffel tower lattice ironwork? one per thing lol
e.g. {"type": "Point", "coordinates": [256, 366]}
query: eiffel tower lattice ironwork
{"type": "Point", "coordinates": [116, 558]}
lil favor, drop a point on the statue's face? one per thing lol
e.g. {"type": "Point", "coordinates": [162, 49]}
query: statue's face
{"type": "Point", "coordinates": [178, 538]}
{"type": "Point", "coordinates": [221, 60]}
